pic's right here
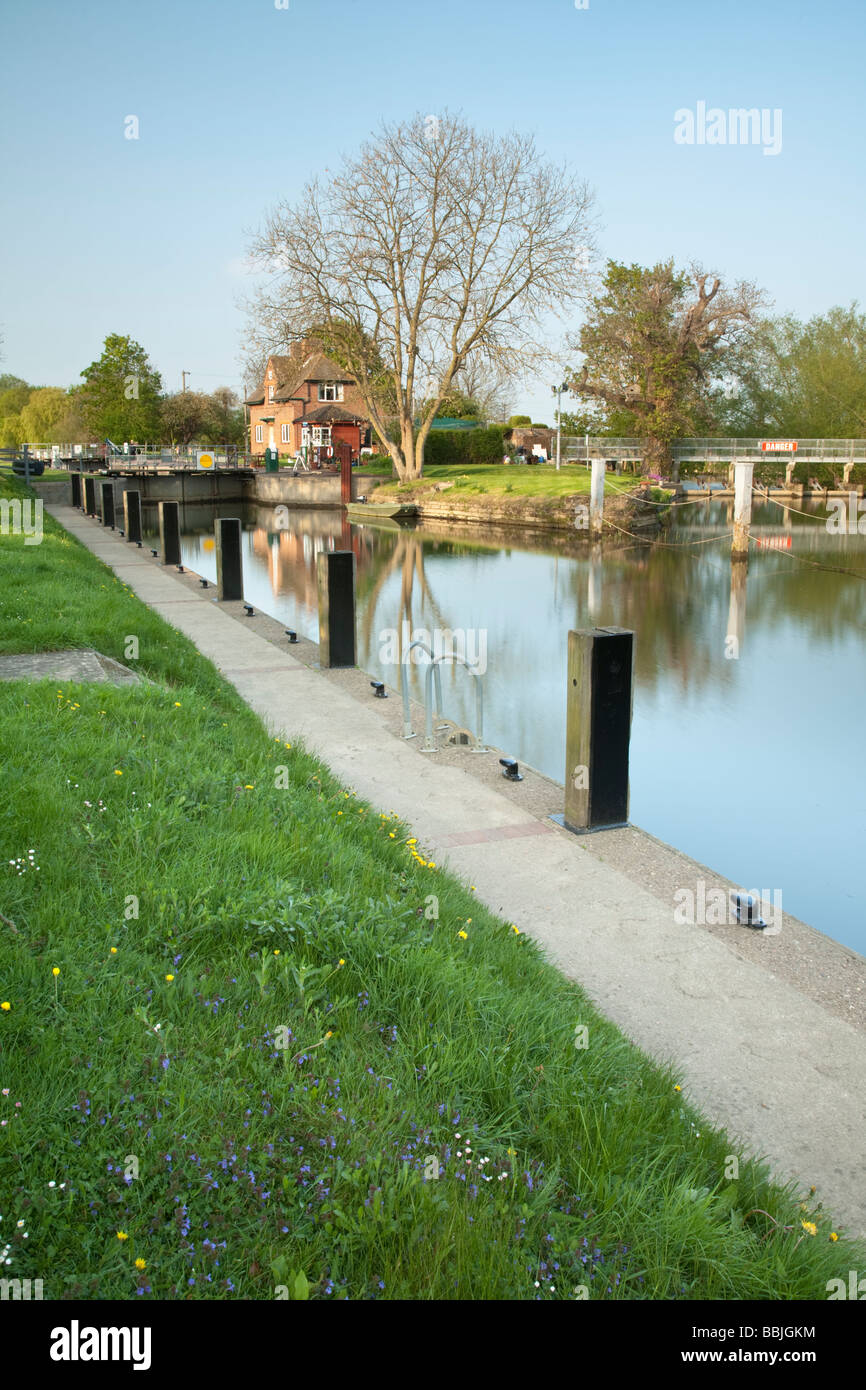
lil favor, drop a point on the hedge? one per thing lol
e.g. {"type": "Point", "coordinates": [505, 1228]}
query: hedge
{"type": "Point", "coordinates": [465, 446]}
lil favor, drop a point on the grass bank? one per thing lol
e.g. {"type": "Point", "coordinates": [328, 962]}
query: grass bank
{"type": "Point", "coordinates": [247, 1021]}
{"type": "Point", "coordinates": [506, 480]}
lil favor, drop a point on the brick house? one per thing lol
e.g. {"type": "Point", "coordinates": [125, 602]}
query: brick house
{"type": "Point", "coordinates": [307, 401]}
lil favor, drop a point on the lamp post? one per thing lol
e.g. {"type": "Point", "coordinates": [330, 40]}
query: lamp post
{"type": "Point", "coordinates": [557, 391]}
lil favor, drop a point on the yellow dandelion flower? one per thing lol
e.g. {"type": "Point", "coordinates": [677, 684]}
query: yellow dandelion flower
{"type": "Point", "coordinates": [121, 1235]}
{"type": "Point", "coordinates": [329, 1034]}
{"type": "Point", "coordinates": [463, 934]}
{"type": "Point", "coordinates": [117, 772]}
{"type": "Point", "coordinates": [56, 970]}
{"type": "Point", "coordinates": [391, 835]}
{"type": "Point", "coordinates": [5, 1006]}
{"type": "Point", "coordinates": [249, 786]}
{"type": "Point", "coordinates": [809, 1227]}
{"type": "Point", "coordinates": [169, 978]}
{"type": "Point", "coordinates": [341, 961]}
{"type": "Point", "coordinates": [276, 953]}
{"type": "Point", "coordinates": [472, 888]}
{"type": "Point", "coordinates": [514, 929]}
{"type": "Point", "coordinates": [114, 950]}
{"type": "Point", "coordinates": [177, 704]}
{"type": "Point", "coordinates": [339, 813]}
{"type": "Point", "coordinates": [678, 1088]}
{"type": "Point", "coordinates": [833, 1235]}
{"type": "Point", "coordinates": [431, 865]}
{"type": "Point", "coordinates": [140, 1263]}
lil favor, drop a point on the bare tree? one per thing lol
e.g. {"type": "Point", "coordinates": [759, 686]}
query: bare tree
{"type": "Point", "coordinates": [435, 247]}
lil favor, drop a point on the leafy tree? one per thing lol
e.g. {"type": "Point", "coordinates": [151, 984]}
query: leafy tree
{"type": "Point", "coordinates": [8, 381]}
{"type": "Point", "coordinates": [14, 398]}
{"type": "Point", "coordinates": [183, 416]}
{"type": "Point", "coordinates": [70, 428]}
{"type": "Point", "coordinates": [799, 380]}
{"type": "Point", "coordinates": [457, 406]}
{"type": "Point", "coordinates": [437, 246]}
{"type": "Point", "coordinates": [224, 423]}
{"type": "Point", "coordinates": [11, 431]}
{"type": "Point", "coordinates": [40, 415]}
{"type": "Point", "coordinates": [655, 341]}
{"type": "Point", "coordinates": [516, 421]}
{"type": "Point", "coordinates": [120, 398]}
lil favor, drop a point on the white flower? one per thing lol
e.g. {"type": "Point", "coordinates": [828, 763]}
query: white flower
{"type": "Point", "coordinates": [52, 1184]}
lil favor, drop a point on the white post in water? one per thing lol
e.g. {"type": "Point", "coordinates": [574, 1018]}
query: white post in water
{"type": "Point", "coordinates": [742, 510]}
{"type": "Point", "coordinates": [596, 497]}
{"type": "Point", "coordinates": [789, 476]}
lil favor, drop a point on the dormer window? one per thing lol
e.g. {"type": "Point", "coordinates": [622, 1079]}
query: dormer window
{"type": "Point", "coordinates": [330, 391]}
{"type": "Point", "coordinates": [270, 393]}
{"type": "Point", "coordinates": [270, 374]}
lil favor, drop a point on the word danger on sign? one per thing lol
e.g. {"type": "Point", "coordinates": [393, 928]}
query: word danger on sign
{"type": "Point", "coordinates": [779, 446]}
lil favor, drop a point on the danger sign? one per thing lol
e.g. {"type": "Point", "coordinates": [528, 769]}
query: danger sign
{"type": "Point", "coordinates": [779, 446]}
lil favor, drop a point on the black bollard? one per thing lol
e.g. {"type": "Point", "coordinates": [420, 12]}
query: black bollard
{"type": "Point", "coordinates": [108, 505]}
{"type": "Point", "coordinates": [132, 514]}
{"type": "Point", "coordinates": [90, 497]}
{"type": "Point", "coordinates": [75, 479]}
{"type": "Point", "coordinates": [598, 728]}
{"type": "Point", "coordinates": [335, 571]}
{"type": "Point", "coordinates": [230, 575]}
{"type": "Point", "coordinates": [169, 532]}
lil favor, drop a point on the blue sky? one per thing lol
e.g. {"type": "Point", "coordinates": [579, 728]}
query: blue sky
{"type": "Point", "coordinates": [239, 103]}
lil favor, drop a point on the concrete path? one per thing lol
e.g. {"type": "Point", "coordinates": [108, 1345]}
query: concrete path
{"type": "Point", "coordinates": [784, 1076]}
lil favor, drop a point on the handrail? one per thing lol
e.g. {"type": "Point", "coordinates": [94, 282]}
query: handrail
{"type": "Point", "coordinates": [407, 717]}
{"type": "Point", "coordinates": [429, 745]}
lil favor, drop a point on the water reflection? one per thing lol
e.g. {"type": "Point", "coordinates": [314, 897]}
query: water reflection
{"type": "Point", "coordinates": [746, 748]}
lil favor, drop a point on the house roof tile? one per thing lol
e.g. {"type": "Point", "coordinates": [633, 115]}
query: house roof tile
{"type": "Point", "coordinates": [331, 414]}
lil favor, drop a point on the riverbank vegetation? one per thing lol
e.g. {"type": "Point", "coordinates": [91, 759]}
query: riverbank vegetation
{"type": "Point", "coordinates": [255, 1043]}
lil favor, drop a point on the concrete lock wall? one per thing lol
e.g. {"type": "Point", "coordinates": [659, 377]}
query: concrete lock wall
{"type": "Point", "coordinates": [305, 490]}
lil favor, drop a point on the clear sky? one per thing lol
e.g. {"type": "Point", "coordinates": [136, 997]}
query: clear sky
{"type": "Point", "coordinates": [240, 102]}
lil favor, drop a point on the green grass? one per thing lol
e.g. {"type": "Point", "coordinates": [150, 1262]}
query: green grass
{"type": "Point", "coordinates": [515, 480]}
{"type": "Point", "coordinates": [265, 1119]}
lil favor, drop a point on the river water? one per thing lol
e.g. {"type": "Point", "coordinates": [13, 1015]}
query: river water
{"type": "Point", "coordinates": [747, 751]}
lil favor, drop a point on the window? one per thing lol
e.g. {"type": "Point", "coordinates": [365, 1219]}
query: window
{"type": "Point", "coordinates": [260, 434]}
{"type": "Point", "coordinates": [285, 434]}
{"type": "Point", "coordinates": [270, 374]}
{"type": "Point", "coordinates": [270, 393]}
{"type": "Point", "coordinates": [321, 435]}
{"type": "Point", "coordinates": [330, 391]}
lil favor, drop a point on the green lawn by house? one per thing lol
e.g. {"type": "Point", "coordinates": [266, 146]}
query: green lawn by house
{"type": "Point", "coordinates": [276, 1019]}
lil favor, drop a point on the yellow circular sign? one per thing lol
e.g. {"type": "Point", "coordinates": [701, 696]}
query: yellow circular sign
{"type": "Point", "coordinates": [205, 460]}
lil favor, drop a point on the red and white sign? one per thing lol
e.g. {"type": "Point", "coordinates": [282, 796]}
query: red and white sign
{"type": "Point", "coordinates": [779, 446]}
